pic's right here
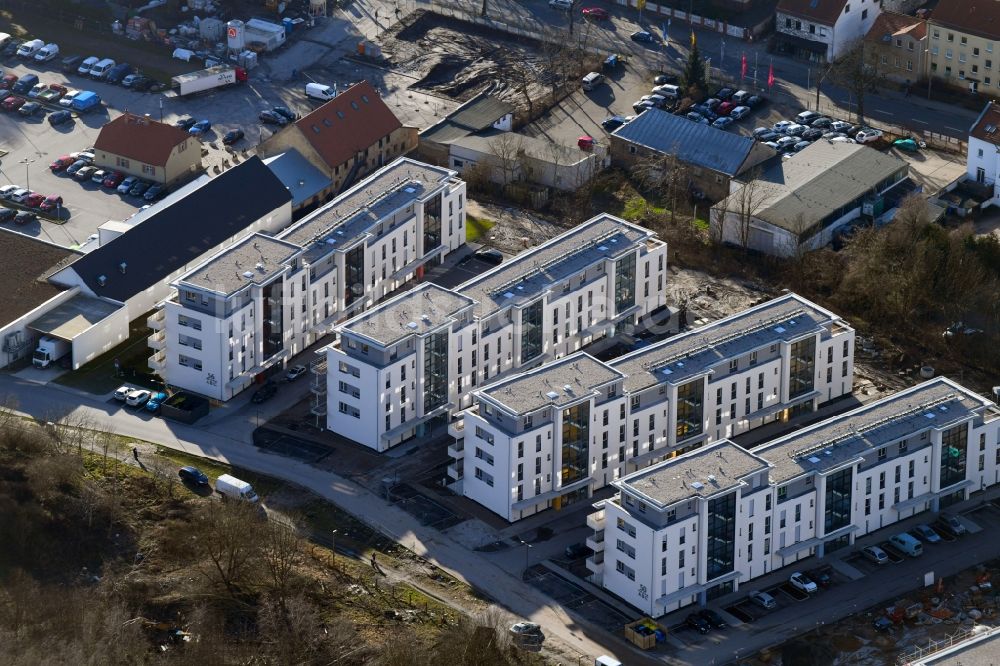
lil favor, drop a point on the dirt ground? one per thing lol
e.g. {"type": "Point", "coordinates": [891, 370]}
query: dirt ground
{"type": "Point", "coordinates": [458, 59]}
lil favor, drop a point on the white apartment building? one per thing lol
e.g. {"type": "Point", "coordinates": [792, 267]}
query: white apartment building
{"type": "Point", "coordinates": [982, 159]}
{"type": "Point", "coordinates": [769, 363]}
{"type": "Point", "coordinates": [580, 287]}
{"type": "Point", "coordinates": [823, 30]}
{"type": "Point", "coordinates": [707, 523]}
{"type": "Point", "coordinates": [349, 255]}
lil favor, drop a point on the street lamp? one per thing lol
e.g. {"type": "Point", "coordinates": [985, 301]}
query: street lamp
{"type": "Point", "coordinates": [26, 162]}
{"type": "Point", "coordinates": [527, 551]}
{"type": "Point", "coordinates": [333, 546]}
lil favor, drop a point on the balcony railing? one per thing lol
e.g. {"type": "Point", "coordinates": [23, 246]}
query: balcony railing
{"type": "Point", "coordinates": [157, 361]}
{"type": "Point", "coordinates": [595, 521]}
{"type": "Point", "coordinates": [155, 321]}
{"type": "Point", "coordinates": [157, 340]}
{"type": "Point", "coordinates": [457, 449]}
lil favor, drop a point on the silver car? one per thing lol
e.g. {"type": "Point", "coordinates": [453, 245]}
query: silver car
{"type": "Point", "coordinates": [763, 599]}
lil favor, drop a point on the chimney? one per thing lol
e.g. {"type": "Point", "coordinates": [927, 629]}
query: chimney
{"type": "Point", "coordinates": [122, 266]}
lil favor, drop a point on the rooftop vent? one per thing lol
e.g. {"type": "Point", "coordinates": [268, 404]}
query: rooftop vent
{"type": "Point", "coordinates": [990, 129]}
{"type": "Point", "coordinates": [508, 294]}
{"type": "Point", "coordinates": [813, 459]}
{"type": "Point", "coordinates": [122, 266]}
{"type": "Point", "coordinates": [930, 415]}
{"type": "Point", "coordinates": [425, 317]}
{"type": "Point", "coordinates": [102, 280]}
{"type": "Point", "coordinates": [567, 387]}
{"type": "Point", "coordinates": [328, 122]}
{"type": "Point", "coordinates": [260, 266]}
{"type": "Point", "coordinates": [412, 325]}
{"type": "Point", "coordinates": [779, 329]}
{"type": "Point", "coordinates": [331, 241]}
{"type": "Point", "coordinates": [603, 248]}
{"type": "Point", "coordinates": [697, 485]}
{"type": "Point", "coordinates": [409, 190]}
{"type": "Point", "coordinates": [828, 452]}
{"type": "Point", "coordinates": [248, 274]}
{"type": "Point", "coordinates": [668, 371]}
{"type": "Point", "coordinates": [552, 395]}
{"type": "Point", "coordinates": [711, 477]}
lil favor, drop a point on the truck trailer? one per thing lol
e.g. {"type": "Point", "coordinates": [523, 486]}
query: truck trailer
{"type": "Point", "coordinates": [206, 79]}
{"type": "Point", "coordinates": [49, 350]}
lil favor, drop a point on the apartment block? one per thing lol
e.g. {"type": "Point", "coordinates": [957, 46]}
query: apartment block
{"type": "Point", "coordinates": [769, 363]}
{"type": "Point", "coordinates": [583, 286]}
{"type": "Point", "coordinates": [962, 35]}
{"type": "Point", "coordinates": [707, 523]}
{"type": "Point", "coordinates": [348, 255]}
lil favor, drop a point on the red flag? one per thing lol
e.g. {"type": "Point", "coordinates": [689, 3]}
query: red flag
{"type": "Point", "coordinates": [743, 67]}
{"type": "Point", "coordinates": [770, 75]}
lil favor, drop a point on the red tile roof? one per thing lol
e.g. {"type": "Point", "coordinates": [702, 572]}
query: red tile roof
{"type": "Point", "coordinates": [894, 24]}
{"type": "Point", "coordinates": [987, 127]}
{"type": "Point", "coordinates": [821, 11]}
{"type": "Point", "coordinates": [976, 17]}
{"type": "Point", "coordinates": [349, 123]}
{"type": "Point", "coordinates": [140, 138]}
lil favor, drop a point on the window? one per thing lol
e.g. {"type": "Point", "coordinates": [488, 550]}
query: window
{"type": "Point", "coordinates": [868, 506]}
{"type": "Point", "coordinates": [149, 170]}
{"type": "Point", "coordinates": [626, 548]}
{"type": "Point", "coordinates": [483, 476]}
{"type": "Point", "coordinates": [622, 569]}
{"type": "Point", "coordinates": [882, 453]}
{"type": "Point", "coordinates": [626, 527]}
{"type": "Point", "coordinates": [350, 410]}
{"type": "Point", "coordinates": [847, 8]}
{"type": "Point", "coordinates": [734, 365]}
{"type": "Point", "coordinates": [864, 14]}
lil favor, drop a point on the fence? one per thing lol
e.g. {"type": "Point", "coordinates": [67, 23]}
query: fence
{"type": "Point", "coordinates": [942, 644]}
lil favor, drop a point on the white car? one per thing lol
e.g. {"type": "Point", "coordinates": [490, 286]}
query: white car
{"type": "Point", "coordinates": [795, 129]}
{"type": "Point", "coordinates": [87, 65]}
{"type": "Point", "coordinates": [868, 135]}
{"type": "Point", "coordinates": [840, 126]}
{"type": "Point", "coordinates": [295, 372]}
{"type": "Point", "coordinates": [739, 112]}
{"type": "Point", "coordinates": [803, 582]}
{"type": "Point", "coordinates": [121, 393]}
{"type": "Point", "coordinates": [18, 196]}
{"type": "Point", "coordinates": [67, 99]}
{"type": "Point", "coordinates": [84, 155]}
{"type": "Point", "coordinates": [782, 125]}
{"type": "Point", "coordinates": [7, 190]}
{"type": "Point", "coordinates": [842, 139]}
{"type": "Point", "coordinates": [763, 599]}
{"type": "Point", "coordinates": [137, 398]}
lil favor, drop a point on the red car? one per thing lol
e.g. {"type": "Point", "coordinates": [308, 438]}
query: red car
{"type": "Point", "coordinates": [61, 163]}
{"type": "Point", "coordinates": [114, 179]}
{"type": "Point", "coordinates": [13, 103]}
{"type": "Point", "coordinates": [596, 13]}
{"type": "Point", "coordinates": [34, 200]}
{"type": "Point", "coordinates": [51, 202]}
{"type": "Point", "coordinates": [7, 82]}
{"type": "Point", "coordinates": [725, 108]}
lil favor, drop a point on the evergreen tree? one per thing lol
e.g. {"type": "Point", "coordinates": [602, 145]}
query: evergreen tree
{"type": "Point", "coordinates": [694, 70]}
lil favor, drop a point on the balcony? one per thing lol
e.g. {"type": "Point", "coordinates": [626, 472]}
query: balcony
{"type": "Point", "coordinates": [595, 521]}
{"type": "Point", "coordinates": [157, 340]}
{"type": "Point", "coordinates": [457, 449]}
{"type": "Point", "coordinates": [456, 470]}
{"type": "Point", "coordinates": [457, 428]}
{"type": "Point", "coordinates": [156, 320]}
{"type": "Point", "coordinates": [596, 541]}
{"type": "Point", "coordinates": [157, 362]}
{"type": "Point", "coordinates": [595, 563]}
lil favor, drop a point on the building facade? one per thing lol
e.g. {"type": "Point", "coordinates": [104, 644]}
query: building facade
{"type": "Point", "coordinates": [140, 146]}
{"type": "Point", "coordinates": [982, 161]}
{"type": "Point", "coordinates": [584, 286]}
{"type": "Point", "coordinates": [767, 364]}
{"type": "Point", "coordinates": [352, 253]}
{"type": "Point", "coordinates": [895, 47]}
{"type": "Point", "coordinates": [707, 523]}
{"type": "Point", "coordinates": [962, 38]}
{"type": "Point", "coordinates": [823, 30]}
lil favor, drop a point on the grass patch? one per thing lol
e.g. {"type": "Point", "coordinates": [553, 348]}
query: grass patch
{"type": "Point", "coordinates": [264, 485]}
{"type": "Point", "coordinates": [476, 227]}
{"type": "Point", "coordinates": [99, 376]}
{"type": "Point", "coordinates": [700, 224]}
{"type": "Point", "coordinates": [636, 208]}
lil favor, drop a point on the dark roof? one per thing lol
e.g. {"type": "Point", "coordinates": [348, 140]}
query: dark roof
{"type": "Point", "coordinates": [140, 138]}
{"type": "Point", "coordinates": [477, 114]}
{"type": "Point", "coordinates": [26, 261]}
{"type": "Point", "coordinates": [183, 231]}
{"type": "Point", "coordinates": [694, 143]}
{"type": "Point", "coordinates": [350, 122]}
{"type": "Point", "coordinates": [976, 17]}
{"type": "Point", "coordinates": [821, 11]}
{"type": "Point", "coordinates": [891, 24]}
{"type": "Point", "coordinates": [987, 124]}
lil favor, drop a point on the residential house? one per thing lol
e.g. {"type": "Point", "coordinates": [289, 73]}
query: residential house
{"type": "Point", "coordinates": [347, 138]}
{"type": "Point", "coordinates": [481, 113]}
{"type": "Point", "coordinates": [983, 157]}
{"type": "Point", "coordinates": [896, 47]}
{"type": "Point", "coordinates": [823, 30]}
{"type": "Point", "coordinates": [962, 36]}
{"type": "Point", "coordinates": [140, 146]}
{"type": "Point", "coordinates": [712, 157]}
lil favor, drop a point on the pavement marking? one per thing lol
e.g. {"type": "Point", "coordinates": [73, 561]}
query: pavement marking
{"type": "Point", "coordinates": [915, 120]}
{"type": "Point", "coordinates": [954, 129]}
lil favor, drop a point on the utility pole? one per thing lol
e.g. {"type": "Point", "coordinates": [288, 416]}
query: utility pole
{"type": "Point", "coordinates": [333, 546]}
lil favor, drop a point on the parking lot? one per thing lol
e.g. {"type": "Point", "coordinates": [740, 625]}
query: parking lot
{"type": "Point", "coordinates": [574, 597]}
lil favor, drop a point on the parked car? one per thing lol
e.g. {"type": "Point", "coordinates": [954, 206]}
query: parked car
{"type": "Point", "coordinates": [7, 190]}
{"type": "Point", "coordinates": [24, 217]}
{"type": "Point", "coordinates": [154, 192]}
{"type": "Point", "coordinates": [842, 139]}
{"type": "Point", "coordinates": [611, 123]}
{"type": "Point", "coordinates": [295, 372]}
{"type": "Point", "coordinates": [25, 83]}
{"type": "Point", "coordinates": [725, 94]}
{"type": "Point", "coordinates": [754, 101]}
{"type": "Point", "coordinates": [137, 398]}
{"type": "Point", "coordinates": [155, 400]}
{"type": "Point", "coordinates": [61, 163]}
{"type": "Point", "coordinates": [265, 392]}
{"type": "Point", "coordinates": [200, 127]}
{"type": "Point", "coordinates": [269, 117]}
{"type": "Point", "coordinates": [839, 126]}
{"type": "Point", "coordinates": [782, 125]}
{"type": "Point", "coordinates": [763, 599]}
{"type": "Point", "coordinates": [84, 173]}
{"type": "Point", "coordinates": [7, 214]}
{"type": "Point", "coordinates": [37, 90]}
{"type": "Point", "coordinates": [907, 543]}
{"type": "Point", "coordinates": [663, 79]}
{"type": "Point", "coordinates": [60, 117]}
{"type": "Point", "coordinates": [803, 582]}
{"type": "Point", "coordinates": [87, 65]}
{"type": "Point", "coordinates": [489, 255]}
{"type": "Point", "coordinates": [139, 188]}
{"type": "Point", "coordinates": [232, 136]}
{"type": "Point", "coordinates": [113, 180]}
{"type": "Point", "coordinates": [698, 623]}
{"type": "Point", "coordinates": [739, 113]}
{"type": "Point", "coordinates": [812, 134]}
{"type": "Point", "coordinates": [723, 122]}
{"type": "Point", "coordinates": [577, 551]}
{"type": "Point", "coordinates": [286, 113]}
{"type": "Point", "coordinates": [67, 99]}
{"type": "Point", "coordinates": [51, 202]}
{"type": "Point", "coordinates": [118, 72]}
{"type": "Point", "coordinates": [70, 63]}
{"type": "Point", "coordinates": [868, 135]}
{"type": "Point", "coordinates": [193, 475]}
{"type": "Point", "coordinates": [740, 96]}
{"type": "Point", "coordinates": [122, 392]}
{"type": "Point", "coordinates": [126, 184]}
{"type": "Point", "coordinates": [99, 176]}
{"type": "Point", "coordinates": [565, 5]}
{"type": "Point", "coordinates": [795, 129]}
{"type": "Point", "coordinates": [642, 105]}
{"type": "Point", "coordinates": [185, 123]}
{"type": "Point", "coordinates": [75, 167]}
{"type": "Point", "coordinates": [20, 195]}
{"type": "Point", "coordinates": [144, 83]}
{"type": "Point", "coordinates": [822, 576]}
{"type": "Point", "coordinates": [926, 533]}
{"type": "Point", "coordinates": [713, 618]}
{"type": "Point", "coordinates": [806, 117]}
{"type": "Point", "coordinates": [642, 37]}
{"type": "Point", "coordinates": [13, 103]}
{"type": "Point", "coordinates": [596, 13]}
{"type": "Point", "coordinates": [8, 81]}
{"type": "Point", "coordinates": [801, 145]}
{"type": "Point", "coordinates": [11, 47]}
{"type": "Point", "coordinates": [725, 108]}
{"type": "Point", "coordinates": [952, 524]}
{"type": "Point", "coordinates": [29, 108]}
{"type": "Point", "coordinates": [130, 80]}
{"type": "Point", "coordinates": [882, 624]}
{"type": "Point", "coordinates": [33, 200]}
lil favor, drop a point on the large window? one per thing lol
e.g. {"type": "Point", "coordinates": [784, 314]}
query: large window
{"type": "Point", "coordinates": [690, 408]}
{"type": "Point", "coordinates": [953, 451]}
{"type": "Point", "coordinates": [838, 500]}
{"type": "Point", "coordinates": [803, 363]}
{"type": "Point", "coordinates": [435, 370]}
{"type": "Point", "coordinates": [575, 437]}
{"type": "Point", "coordinates": [531, 331]}
{"type": "Point", "coordinates": [625, 283]}
{"type": "Point", "coordinates": [273, 318]}
{"type": "Point", "coordinates": [721, 539]}
{"type": "Point", "coordinates": [432, 224]}
{"type": "Point", "coordinates": [354, 271]}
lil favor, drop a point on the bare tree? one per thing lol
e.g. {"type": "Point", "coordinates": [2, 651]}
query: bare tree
{"type": "Point", "coordinates": [230, 541]}
{"type": "Point", "coordinates": [741, 206]}
{"type": "Point", "coordinates": [859, 77]}
{"type": "Point", "coordinates": [666, 176]}
{"type": "Point", "coordinates": [280, 553]}
{"type": "Point", "coordinates": [507, 149]}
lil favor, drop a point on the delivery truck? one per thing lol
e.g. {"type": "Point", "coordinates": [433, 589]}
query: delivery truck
{"type": "Point", "coordinates": [49, 350]}
{"type": "Point", "coordinates": [85, 101]}
{"type": "Point", "coordinates": [206, 79]}
{"type": "Point", "coordinates": [232, 488]}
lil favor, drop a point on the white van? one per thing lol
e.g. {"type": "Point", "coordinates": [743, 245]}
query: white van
{"type": "Point", "coordinates": [320, 91]}
{"type": "Point", "coordinates": [47, 52]}
{"type": "Point", "coordinates": [29, 49]}
{"type": "Point", "coordinates": [592, 80]}
{"type": "Point", "coordinates": [667, 90]}
{"type": "Point", "coordinates": [907, 544]}
{"type": "Point", "coordinates": [232, 488]}
{"type": "Point", "coordinates": [101, 69]}
{"type": "Point", "coordinates": [87, 65]}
